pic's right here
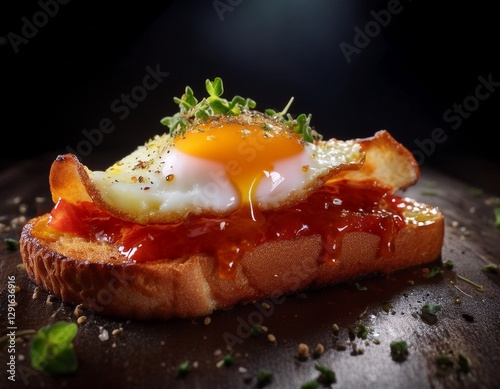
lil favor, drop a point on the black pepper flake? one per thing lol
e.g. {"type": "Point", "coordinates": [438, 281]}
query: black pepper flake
{"type": "Point", "coordinates": [147, 188]}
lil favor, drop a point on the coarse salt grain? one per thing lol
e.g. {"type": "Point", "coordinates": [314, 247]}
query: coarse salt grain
{"type": "Point", "coordinates": [103, 334]}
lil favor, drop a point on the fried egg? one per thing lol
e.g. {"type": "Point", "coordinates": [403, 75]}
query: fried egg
{"type": "Point", "coordinates": [218, 166]}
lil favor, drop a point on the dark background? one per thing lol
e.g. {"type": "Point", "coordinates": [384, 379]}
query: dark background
{"type": "Point", "coordinates": [70, 73]}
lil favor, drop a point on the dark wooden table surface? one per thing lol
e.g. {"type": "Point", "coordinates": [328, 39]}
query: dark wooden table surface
{"type": "Point", "coordinates": [148, 354]}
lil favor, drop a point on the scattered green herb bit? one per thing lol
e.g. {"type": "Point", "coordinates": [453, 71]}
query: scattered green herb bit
{"type": "Point", "coordinates": [429, 192]}
{"type": "Point", "coordinates": [256, 330]}
{"type": "Point", "coordinates": [52, 348]}
{"type": "Point", "coordinates": [386, 306]}
{"type": "Point", "coordinates": [448, 264]}
{"type": "Point", "coordinates": [326, 375]}
{"type": "Point", "coordinates": [464, 364]}
{"type": "Point", "coordinates": [184, 368]}
{"type": "Point", "coordinates": [228, 359]}
{"type": "Point", "coordinates": [264, 377]}
{"type": "Point", "coordinates": [477, 286]}
{"type": "Point", "coordinates": [399, 350]}
{"type": "Point", "coordinates": [476, 192]}
{"type": "Point", "coordinates": [361, 331]}
{"type": "Point", "coordinates": [491, 268]}
{"type": "Point", "coordinates": [431, 309]}
{"type": "Point", "coordinates": [429, 189]}
{"type": "Point", "coordinates": [496, 212]}
{"type": "Point", "coordinates": [300, 125]}
{"type": "Point", "coordinates": [313, 384]}
{"type": "Point", "coordinates": [12, 244]}
{"type": "Point", "coordinates": [434, 272]}
{"type": "Point", "coordinates": [360, 287]}
{"type": "Point", "coordinates": [428, 313]}
{"type": "Point", "coordinates": [444, 361]}
{"type": "Point", "coordinates": [190, 109]}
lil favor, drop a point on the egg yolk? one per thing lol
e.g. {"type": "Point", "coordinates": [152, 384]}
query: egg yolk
{"type": "Point", "coordinates": [247, 151]}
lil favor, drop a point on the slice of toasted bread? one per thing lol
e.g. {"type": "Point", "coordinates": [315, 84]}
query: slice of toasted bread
{"type": "Point", "coordinates": [95, 275]}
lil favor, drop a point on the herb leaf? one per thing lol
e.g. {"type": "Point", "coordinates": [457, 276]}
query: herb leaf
{"type": "Point", "coordinates": [312, 384]}
{"type": "Point", "coordinates": [399, 350]}
{"type": "Point", "coordinates": [496, 212]}
{"type": "Point", "coordinates": [464, 363]}
{"type": "Point", "coordinates": [490, 268]}
{"type": "Point", "coordinates": [431, 309]}
{"type": "Point", "coordinates": [264, 377]}
{"type": "Point", "coordinates": [434, 272]}
{"type": "Point", "coordinates": [428, 313]}
{"type": "Point", "coordinates": [12, 244]}
{"type": "Point", "coordinates": [184, 368]}
{"type": "Point", "coordinates": [52, 348]}
{"type": "Point", "coordinates": [361, 331]}
{"type": "Point", "coordinates": [326, 375]}
{"type": "Point", "coordinates": [214, 88]}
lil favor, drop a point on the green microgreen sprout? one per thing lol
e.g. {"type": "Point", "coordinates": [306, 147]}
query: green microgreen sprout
{"type": "Point", "coordinates": [300, 125]}
{"type": "Point", "coordinates": [464, 364]}
{"type": "Point", "coordinates": [184, 368]}
{"type": "Point", "coordinates": [496, 212]}
{"type": "Point", "coordinates": [429, 189]}
{"type": "Point", "coordinates": [490, 268]}
{"type": "Point", "coordinates": [228, 359]}
{"type": "Point", "coordinates": [448, 264]}
{"type": "Point", "coordinates": [326, 375]}
{"type": "Point", "coordinates": [474, 284]}
{"type": "Point", "coordinates": [434, 272]}
{"type": "Point", "coordinates": [190, 109]}
{"type": "Point", "coordinates": [428, 312]}
{"type": "Point", "coordinates": [256, 330]}
{"type": "Point", "coordinates": [446, 362]}
{"type": "Point", "coordinates": [52, 350]}
{"type": "Point", "coordinates": [399, 350]}
{"type": "Point", "coordinates": [264, 377]}
{"type": "Point", "coordinates": [361, 331]}
{"type": "Point", "coordinates": [431, 309]}
{"type": "Point", "coordinates": [312, 384]}
{"type": "Point", "coordinates": [387, 306]}
{"type": "Point", "coordinates": [12, 244]}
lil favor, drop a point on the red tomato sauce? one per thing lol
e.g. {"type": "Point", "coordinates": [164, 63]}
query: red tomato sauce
{"type": "Point", "coordinates": [331, 212]}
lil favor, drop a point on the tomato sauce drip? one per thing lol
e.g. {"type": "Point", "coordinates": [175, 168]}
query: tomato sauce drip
{"type": "Point", "coordinates": [330, 212]}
